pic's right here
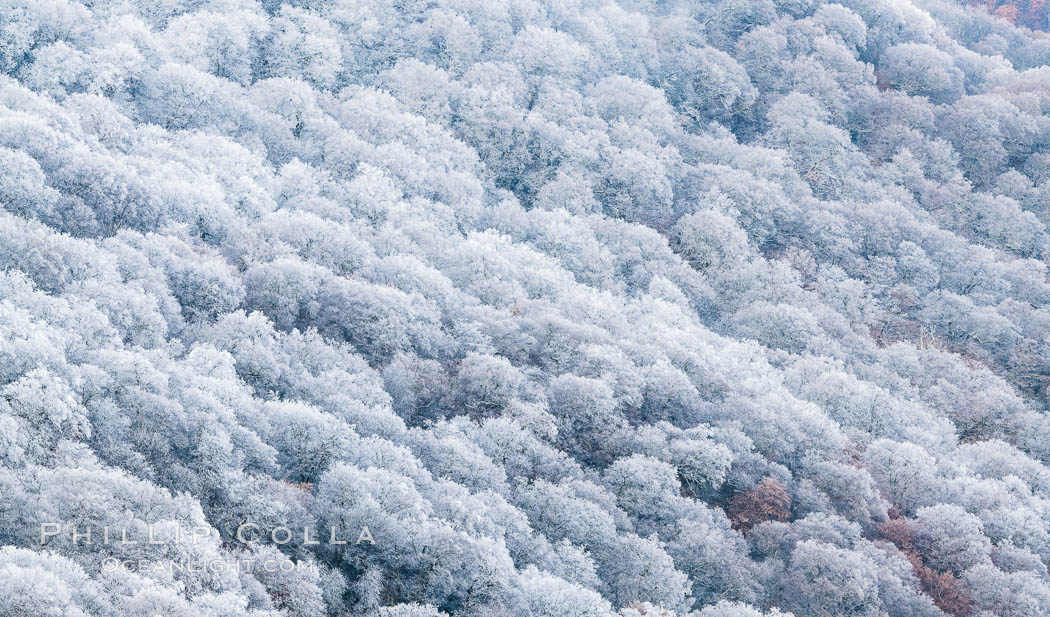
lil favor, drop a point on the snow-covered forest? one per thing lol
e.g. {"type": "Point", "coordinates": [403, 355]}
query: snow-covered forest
{"type": "Point", "coordinates": [569, 308]}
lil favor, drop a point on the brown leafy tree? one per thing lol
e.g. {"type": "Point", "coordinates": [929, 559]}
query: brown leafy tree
{"type": "Point", "coordinates": [946, 591]}
{"type": "Point", "coordinates": [766, 501]}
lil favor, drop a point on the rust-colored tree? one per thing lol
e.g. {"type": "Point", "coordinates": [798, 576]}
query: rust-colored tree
{"type": "Point", "coordinates": [1028, 13]}
{"type": "Point", "coordinates": [766, 501]}
{"type": "Point", "coordinates": [1007, 12]}
{"type": "Point", "coordinates": [947, 592]}
{"type": "Point", "coordinates": [898, 531]}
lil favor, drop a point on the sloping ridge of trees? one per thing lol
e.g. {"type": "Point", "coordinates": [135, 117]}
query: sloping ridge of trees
{"type": "Point", "coordinates": [583, 308]}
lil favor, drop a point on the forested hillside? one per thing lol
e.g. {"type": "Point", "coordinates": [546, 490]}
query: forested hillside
{"type": "Point", "coordinates": [575, 308]}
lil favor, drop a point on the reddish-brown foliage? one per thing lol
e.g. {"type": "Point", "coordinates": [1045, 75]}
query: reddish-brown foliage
{"type": "Point", "coordinates": [766, 501]}
{"type": "Point", "coordinates": [306, 487]}
{"type": "Point", "coordinates": [898, 531]}
{"type": "Point", "coordinates": [1007, 12]}
{"type": "Point", "coordinates": [1028, 13]}
{"type": "Point", "coordinates": [947, 592]}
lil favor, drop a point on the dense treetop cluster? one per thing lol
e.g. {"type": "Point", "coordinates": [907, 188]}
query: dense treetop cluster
{"type": "Point", "coordinates": [583, 307]}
